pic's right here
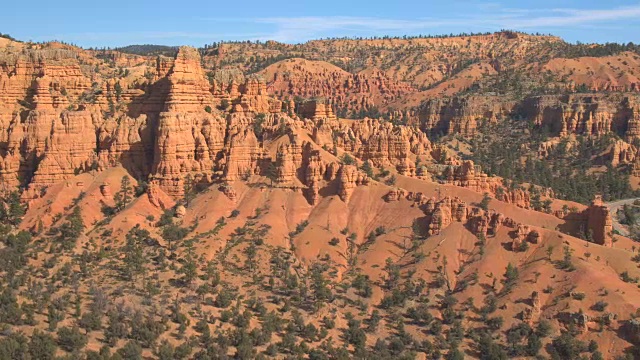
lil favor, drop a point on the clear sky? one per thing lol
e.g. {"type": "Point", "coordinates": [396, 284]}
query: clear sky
{"type": "Point", "coordinates": [196, 22]}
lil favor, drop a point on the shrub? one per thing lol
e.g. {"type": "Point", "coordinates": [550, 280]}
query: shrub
{"type": "Point", "coordinates": [348, 159]}
{"type": "Point", "coordinates": [484, 203]}
{"type": "Point", "coordinates": [71, 339]}
{"type": "Point", "coordinates": [131, 351]}
{"type": "Point", "coordinates": [578, 296]}
{"type": "Point", "coordinates": [599, 306]}
{"type": "Point", "coordinates": [391, 181]}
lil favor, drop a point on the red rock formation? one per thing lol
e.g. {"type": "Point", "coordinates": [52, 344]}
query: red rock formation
{"type": "Point", "coordinates": [126, 141]}
{"type": "Point", "coordinates": [622, 153]}
{"type": "Point", "coordinates": [351, 93]}
{"type": "Point", "coordinates": [599, 222]}
{"type": "Point", "coordinates": [189, 88]}
{"type": "Point", "coordinates": [288, 161]}
{"type": "Point", "coordinates": [70, 148]}
{"type": "Point", "coordinates": [522, 234]}
{"type": "Point", "coordinates": [158, 198]}
{"type": "Point", "coordinates": [316, 110]}
{"type": "Point", "coordinates": [348, 178]}
{"type": "Point", "coordinates": [105, 190]}
{"type": "Point", "coordinates": [470, 176]}
{"type": "Point", "coordinates": [586, 114]}
{"type": "Point", "coordinates": [532, 313]}
{"type": "Point", "coordinates": [444, 212]}
{"type": "Point", "coordinates": [242, 152]}
{"type": "Point", "coordinates": [395, 194]}
{"type": "Point", "coordinates": [382, 143]}
{"type": "Point", "coordinates": [186, 143]}
{"type": "Point", "coordinates": [229, 192]}
{"type": "Point", "coordinates": [459, 115]}
{"type": "Point", "coordinates": [315, 170]}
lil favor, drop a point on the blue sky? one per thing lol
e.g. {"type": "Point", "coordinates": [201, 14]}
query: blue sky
{"type": "Point", "coordinates": [189, 22]}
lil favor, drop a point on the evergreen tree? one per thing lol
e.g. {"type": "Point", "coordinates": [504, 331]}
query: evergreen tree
{"type": "Point", "coordinates": [124, 196]}
{"type": "Point", "coordinates": [510, 277]}
{"type": "Point", "coordinates": [70, 231]}
{"type": "Point", "coordinates": [12, 209]}
{"type": "Point", "coordinates": [42, 346]}
{"type": "Point", "coordinates": [134, 258]}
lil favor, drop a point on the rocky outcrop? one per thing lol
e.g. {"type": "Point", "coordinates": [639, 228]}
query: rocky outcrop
{"type": "Point", "coordinates": [316, 109]}
{"type": "Point", "coordinates": [382, 143]}
{"type": "Point", "coordinates": [470, 176]}
{"type": "Point", "coordinates": [158, 198]}
{"type": "Point", "coordinates": [188, 86]}
{"type": "Point", "coordinates": [229, 192]}
{"type": "Point", "coordinates": [105, 190]}
{"type": "Point", "coordinates": [242, 152]}
{"type": "Point", "coordinates": [622, 153]}
{"type": "Point", "coordinates": [395, 195]}
{"type": "Point", "coordinates": [189, 138]}
{"type": "Point", "coordinates": [599, 223]}
{"type": "Point", "coordinates": [585, 114]}
{"type": "Point", "coordinates": [441, 218]}
{"type": "Point", "coordinates": [180, 212]}
{"type": "Point", "coordinates": [461, 115]}
{"type": "Point", "coordinates": [581, 114]}
{"type": "Point", "coordinates": [315, 171]}
{"type": "Point", "coordinates": [444, 212]}
{"type": "Point", "coordinates": [186, 143]}
{"type": "Point", "coordinates": [129, 142]}
{"type": "Point", "coordinates": [288, 161]}
{"type": "Point", "coordinates": [348, 178]}
{"type": "Point", "coordinates": [533, 312]}
{"type": "Point", "coordinates": [351, 94]}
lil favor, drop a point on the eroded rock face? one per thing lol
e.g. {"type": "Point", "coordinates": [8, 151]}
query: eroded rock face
{"type": "Point", "coordinates": [181, 211]}
{"type": "Point", "coordinates": [599, 222]}
{"type": "Point", "coordinates": [129, 142]}
{"type": "Point", "coordinates": [243, 152]}
{"type": "Point", "coordinates": [348, 178]}
{"type": "Point", "coordinates": [470, 176]}
{"type": "Point", "coordinates": [316, 110]}
{"type": "Point", "coordinates": [585, 114]}
{"type": "Point", "coordinates": [382, 143]}
{"type": "Point", "coordinates": [315, 171]}
{"type": "Point", "coordinates": [349, 93]}
{"type": "Point", "coordinates": [288, 161]}
{"type": "Point", "coordinates": [186, 143]}
{"type": "Point", "coordinates": [530, 314]}
{"type": "Point", "coordinates": [105, 190]}
{"type": "Point", "coordinates": [229, 192]}
{"type": "Point", "coordinates": [460, 115]}
{"type": "Point", "coordinates": [158, 198]}
{"type": "Point", "coordinates": [444, 212]}
{"type": "Point", "coordinates": [581, 114]}
{"type": "Point", "coordinates": [395, 195]}
{"type": "Point", "coordinates": [441, 217]}
{"type": "Point", "coordinates": [188, 86]}
{"type": "Point", "coordinates": [622, 153]}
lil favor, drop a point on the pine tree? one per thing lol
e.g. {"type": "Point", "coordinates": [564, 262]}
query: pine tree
{"type": "Point", "coordinates": [367, 168]}
{"type": "Point", "coordinates": [125, 195]}
{"type": "Point", "coordinates": [134, 259]}
{"type": "Point", "coordinates": [188, 189]}
{"type": "Point", "coordinates": [484, 204]}
{"type": "Point", "coordinates": [70, 231]}
{"type": "Point", "coordinates": [510, 277]}
{"type": "Point", "coordinates": [272, 172]}
{"type": "Point", "coordinates": [11, 209]}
